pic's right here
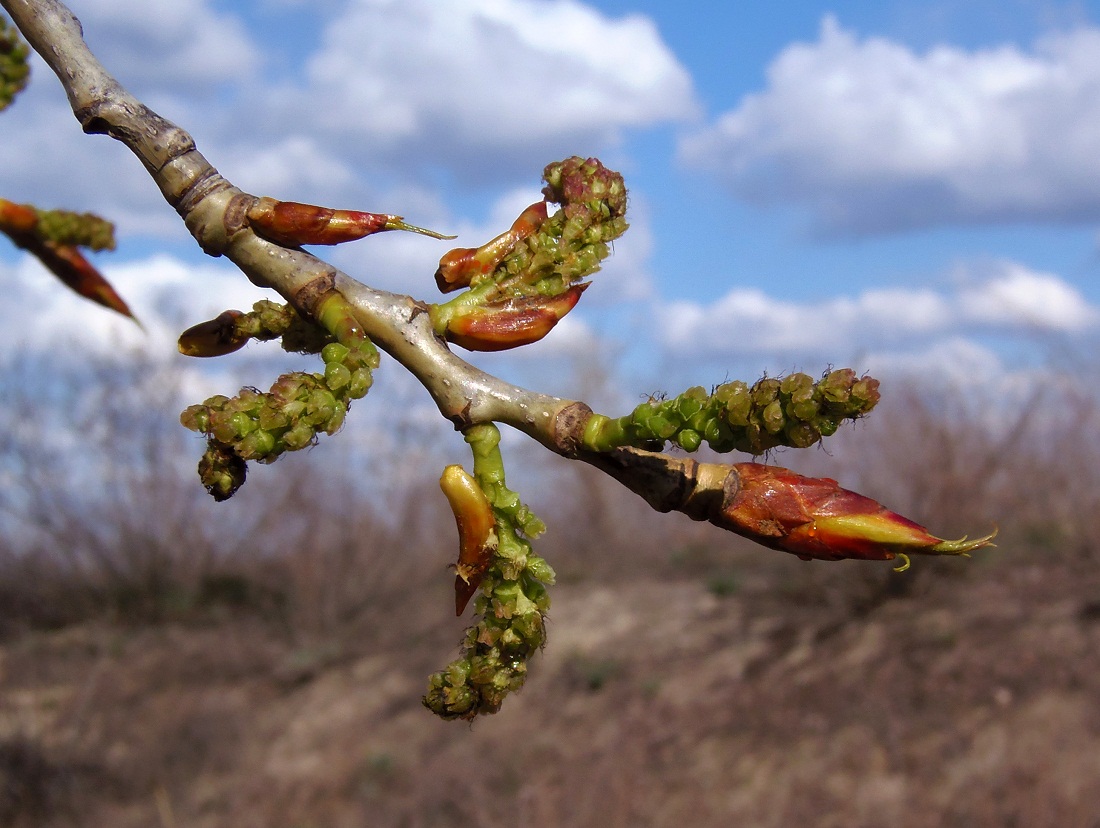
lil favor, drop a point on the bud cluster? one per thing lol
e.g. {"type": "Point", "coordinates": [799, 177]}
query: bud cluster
{"type": "Point", "coordinates": [511, 607]}
{"type": "Point", "coordinates": [524, 281]}
{"type": "Point", "coordinates": [298, 408]}
{"type": "Point", "coordinates": [14, 69]}
{"type": "Point", "coordinates": [794, 411]}
{"type": "Point", "coordinates": [572, 242]}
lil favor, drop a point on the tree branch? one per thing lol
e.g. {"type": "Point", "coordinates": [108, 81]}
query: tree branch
{"type": "Point", "coordinates": [214, 210]}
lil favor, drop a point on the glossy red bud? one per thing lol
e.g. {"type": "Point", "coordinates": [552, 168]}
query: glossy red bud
{"type": "Point", "coordinates": [511, 323]}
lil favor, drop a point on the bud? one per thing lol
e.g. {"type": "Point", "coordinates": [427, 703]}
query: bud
{"type": "Point", "coordinates": [477, 538]}
{"type": "Point", "coordinates": [510, 323]}
{"type": "Point", "coordinates": [579, 183]}
{"type": "Point", "coordinates": [69, 265]}
{"type": "Point", "coordinates": [21, 223]}
{"type": "Point", "coordinates": [816, 518]}
{"type": "Point", "coordinates": [459, 267]}
{"type": "Point", "coordinates": [215, 337]}
{"type": "Point", "coordinates": [17, 218]}
{"type": "Point", "coordinates": [222, 471]}
{"type": "Point", "coordinates": [292, 223]}
{"type": "Point", "coordinates": [334, 353]}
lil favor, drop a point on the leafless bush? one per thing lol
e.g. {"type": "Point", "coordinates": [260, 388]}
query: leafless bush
{"type": "Point", "coordinates": [103, 515]}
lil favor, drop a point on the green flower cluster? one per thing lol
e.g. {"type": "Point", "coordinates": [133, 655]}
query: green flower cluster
{"type": "Point", "coordinates": [565, 247]}
{"type": "Point", "coordinates": [572, 243]}
{"type": "Point", "coordinates": [77, 229]}
{"type": "Point", "coordinates": [511, 607]}
{"type": "Point", "coordinates": [575, 240]}
{"type": "Point", "coordinates": [14, 69]}
{"type": "Point", "coordinates": [794, 411]}
{"type": "Point", "coordinates": [262, 426]}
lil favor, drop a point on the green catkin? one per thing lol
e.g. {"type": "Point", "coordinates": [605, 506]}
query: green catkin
{"type": "Point", "coordinates": [567, 247]}
{"type": "Point", "coordinates": [77, 229]}
{"type": "Point", "coordinates": [14, 69]}
{"type": "Point", "coordinates": [510, 625]}
{"type": "Point", "coordinates": [298, 408]}
{"type": "Point", "coordinates": [794, 411]}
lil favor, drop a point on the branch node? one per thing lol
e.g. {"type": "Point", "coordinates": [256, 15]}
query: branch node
{"type": "Point", "coordinates": [309, 296]}
{"type": "Point", "coordinates": [568, 428]}
{"type": "Point", "coordinates": [236, 213]}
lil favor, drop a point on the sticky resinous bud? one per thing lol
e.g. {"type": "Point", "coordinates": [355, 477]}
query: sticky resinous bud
{"type": "Point", "coordinates": [216, 337]}
{"type": "Point", "coordinates": [460, 267]}
{"type": "Point", "coordinates": [817, 518]}
{"type": "Point", "coordinates": [477, 537]}
{"type": "Point", "coordinates": [510, 323]}
{"type": "Point", "coordinates": [68, 264]}
{"type": "Point", "coordinates": [292, 223]}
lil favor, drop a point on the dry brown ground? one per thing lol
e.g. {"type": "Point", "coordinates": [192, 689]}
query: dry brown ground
{"type": "Point", "coordinates": [782, 695]}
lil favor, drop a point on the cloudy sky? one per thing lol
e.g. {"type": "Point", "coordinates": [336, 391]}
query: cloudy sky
{"type": "Point", "coordinates": [891, 185]}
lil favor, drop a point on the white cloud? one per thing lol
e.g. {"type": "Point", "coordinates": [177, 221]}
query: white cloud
{"type": "Point", "coordinates": [394, 98]}
{"type": "Point", "coordinates": [184, 45]}
{"type": "Point", "coordinates": [1022, 298]}
{"type": "Point", "coordinates": [456, 82]}
{"type": "Point", "coordinates": [293, 165]}
{"type": "Point", "coordinates": [871, 136]}
{"type": "Point", "coordinates": [165, 293]}
{"type": "Point", "coordinates": [959, 363]}
{"type": "Point", "coordinates": [1008, 297]}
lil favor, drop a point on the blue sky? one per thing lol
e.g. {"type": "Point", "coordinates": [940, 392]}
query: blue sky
{"type": "Point", "coordinates": [899, 185]}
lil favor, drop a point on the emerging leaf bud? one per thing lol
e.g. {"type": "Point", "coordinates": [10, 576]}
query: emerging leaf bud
{"type": "Point", "coordinates": [215, 337]}
{"type": "Point", "coordinates": [816, 518]}
{"type": "Point", "coordinates": [477, 537]}
{"type": "Point", "coordinates": [510, 323]}
{"type": "Point", "coordinates": [292, 223]}
{"type": "Point", "coordinates": [459, 267]}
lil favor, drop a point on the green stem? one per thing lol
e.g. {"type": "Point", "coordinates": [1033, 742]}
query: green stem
{"type": "Point", "coordinates": [601, 433]}
{"type": "Point", "coordinates": [337, 316]}
{"type": "Point", "coordinates": [441, 314]}
{"type": "Point", "coordinates": [484, 441]}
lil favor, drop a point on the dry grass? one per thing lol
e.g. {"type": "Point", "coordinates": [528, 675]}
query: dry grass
{"type": "Point", "coordinates": [654, 704]}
